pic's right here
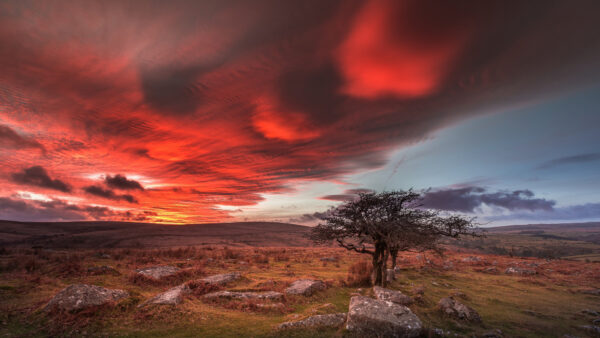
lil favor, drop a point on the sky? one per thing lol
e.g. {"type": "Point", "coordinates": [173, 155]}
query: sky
{"type": "Point", "coordinates": [219, 111]}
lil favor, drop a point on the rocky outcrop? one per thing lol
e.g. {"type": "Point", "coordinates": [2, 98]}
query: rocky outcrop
{"type": "Point", "coordinates": [173, 296]}
{"type": "Point", "coordinates": [331, 320]}
{"type": "Point", "coordinates": [369, 317]}
{"type": "Point", "coordinates": [268, 295]}
{"type": "Point", "coordinates": [391, 296]}
{"type": "Point", "coordinates": [158, 272]}
{"type": "Point", "coordinates": [519, 271]}
{"type": "Point", "coordinates": [453, 308]}
{"type": "Point", "coordinates": [305, 287]}
{"type": "Point", "coordinates": [80, 296]}
{"type": "Point", "coordinates": [221, 279]}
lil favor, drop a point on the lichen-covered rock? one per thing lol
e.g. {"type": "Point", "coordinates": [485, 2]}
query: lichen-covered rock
{"type": "Point", "coordinates": [158, 272]}
{"type": "Point", "coordinates": [305, 287]}
{"type": "Point", "coordinates": [331, 320]}
{"type": "Point", "coordinates": [391, 296]}
{"type": "Point", "coordinates": [80, 296]}
{"type": "Point", "coordinates": [518, 271]}
{"type": "Point", "coordinates": [221, 279]}
{"type": "Point", "coordinates": [173, 296]}
{"type": "Point", "coordinates": [453, 308]}
{"type": "Point", "coordinates": [369, 317]}
{"type": "Point", "coordinates": [268, 295]}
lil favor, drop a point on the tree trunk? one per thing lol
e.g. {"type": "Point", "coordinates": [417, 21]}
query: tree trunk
{"type": "Point", "coordinates": [394, 254]}
{"type": "Point", "coordinates": [378, 264]}
{"type": "Point", "coordinates": [384, 279]}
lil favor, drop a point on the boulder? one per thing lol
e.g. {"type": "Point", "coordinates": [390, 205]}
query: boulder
{"type": "Point", "coordinates": [453, 308]}
{"type": "Point", "coordinates": [518, 271]}
{"type": "Point", "coordinates": [158, 272]}
{"type": "Point", "coordinates": [173, 296]}
{"type": "Point", "coordinates": [221, 279]}
{"type": "Point", "coordinates": [391, 296]}
{"type": "Point", "coordinates": [591, 329]}
{"type": "Point", "coordinates": [595, 292]}
{"type": "Point", "coordinates": [369, 317]}
{"type": "Point", "coordinates": [305, 287]}
{"type": "Point", "coordinates": [328, 259]}
{"type": "Point", "coordinates": [80, 296]}
{"type": "Point", "coordinates": [390, 276]}
{"type": "Point", "coordinates": [102, 270]}
{"type": "Point", "coordinates": [268, 295]}
{"type": "Point", "coordinates": [471, 259]}
{"type": "Point", "coordinates": [331, 320]}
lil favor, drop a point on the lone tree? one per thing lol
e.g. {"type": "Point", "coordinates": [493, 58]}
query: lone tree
{"type": "Point", "coordinates": [383, 224]}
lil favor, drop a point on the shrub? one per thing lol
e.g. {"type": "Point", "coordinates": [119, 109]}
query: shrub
{"type": "Point", "coordinates": [359, 274]}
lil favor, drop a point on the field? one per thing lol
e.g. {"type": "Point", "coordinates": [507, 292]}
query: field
{"type": "Point", "coordinates": [548, 304]}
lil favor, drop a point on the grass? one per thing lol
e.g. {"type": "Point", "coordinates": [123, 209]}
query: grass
{"type": "Point", "coordinates": [547, 304]}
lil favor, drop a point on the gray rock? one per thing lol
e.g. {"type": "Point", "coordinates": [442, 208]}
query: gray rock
{"type": "Point", "coordinates": [591, 329]}
{"type": "Point", "coordinates": [305, 287]}
{"type": "Point", "coordinates": [518, 271]}
{"type": "Point", "coordinates": [453, 308]}
{"type": "Point", "coordinates": [590, 312]}
{"type": "Point", "coordinates": [158, 272]}
{"type": "Point", "coordinates": [390, 276]}
{"type": "Point", "coordinates": [80, 296]}
{"type": "Point", "coordinates": [391, 296]}
{"type": "Point", "coordinates": [173, 296]}
{"type": "Point", "coordinates": [497, 333]}
{"type": "Point", "coordinates": [268, 295]}
{"type": "Point", "coordinates": [331, 320]}
{"type": "Point", "coordinates": [471, 259]}
{"type": "Point", "coordinates": [369, 317]}
{"type": "Point", "coordinates": [595, 292]}
{"type": "Point", "coordinates": [221, 279]}
{"type": "Point", "coordinates": [328, 259]}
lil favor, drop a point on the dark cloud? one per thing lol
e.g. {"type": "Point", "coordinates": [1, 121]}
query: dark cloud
{"type": "Point", "coordinates": [58, 210]}
{"type": "Point", "coordinates": [38, 176]}
{"type": "Point", "coordinates": [467, 199]}
{"type": "Point", "coordinates": [121, 182]}
{"type": "Point", "coordinates": [576, 159]}
{"type": "Point", "coordinates": [579, 212]}
{"type": "Point", "coordinates": [348, 195]}
{"type": "Point", "coordinates": [109, 194]}
{"type": "Point", "coordinates": [11, 139]}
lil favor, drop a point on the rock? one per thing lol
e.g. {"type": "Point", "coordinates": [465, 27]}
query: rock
{"type": "Point", "coordinates": [268, 295]}
{"type": "Point", "coordinates": [331, 320]}
{"type": "Point", "coordinates": [492, 269]}
{"type": "Point", "coordinates": [453, 308]}
{"type": "Point", "coordinates": [172, 296]}
{"type": "Point", "coordinates": [221, 279]}
{"type": "Point", "coordinates": [460, 294]}
{"type": "Point", "coordinates": [390, 276]}
{"type": "Point", "coordinates": [518, 271]}
{"type": "Point", "coordinates": [158, 272]}
{"type": "Point", "coordinates": [591, 312]}
{"type": "Point", "coordinates": [329, 259]}
{"type": "Point", "coordinates": [471, 259]}
{"type": "Point", "coordinates": [497, 333]}
{"type": "Point", "coordinates": [102, 270]}
{"type": "Point", "coordinates": [391, 296]}
{"type": "Point", "coordinates": [595, 292]}
{"type": "Point", "coordinates": [592, 329]}
{"type": "Point", "coordinates": [369, 317]}
{"type": "Point", "coordinates": [448, 266]}
{"type": "Point", "coordinates": [305, 287]}
{"type": "Point", "coordinates": [80, 296]}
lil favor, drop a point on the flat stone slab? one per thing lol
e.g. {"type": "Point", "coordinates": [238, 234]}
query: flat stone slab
{"type": "Point", "coordinates": [221, 279]}
{"type": "Point", "coordinates": [453, 308]}
{"type": "Point", "coordinates": [158, 272]}
{"type": "Point", "coordinates": [368, 317]}
{"type": "Point", "coordinates": [268, 295]}
{"type": "Point", "coordinates": [80, 296]}
{"type": "Point", "coordinates": [305, 287]}
{"type": "Point", "coordinates": [393, 296]}
{"type": "Point", "coordinates": [173, 296]}
{"type": "Point", "coordinates": [331, 320]}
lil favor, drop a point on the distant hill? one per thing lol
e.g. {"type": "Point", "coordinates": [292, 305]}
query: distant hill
{"type": "Point", "coordinates": [124, 234]}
